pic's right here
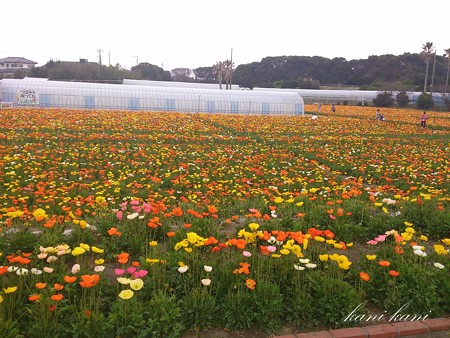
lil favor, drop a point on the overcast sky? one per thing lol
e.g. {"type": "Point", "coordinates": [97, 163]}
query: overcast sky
{"type": "Point", "coordinates": [197, 33]}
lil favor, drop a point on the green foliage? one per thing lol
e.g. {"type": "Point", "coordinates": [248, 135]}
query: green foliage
{"type": "Point", "coordinates": [298, 309]}
{"type": "Point", "coordinates": [416, 290]}
{"type": "Point", "coordinates": [426, 216]}
{"type": "Point", "coordinates": [334, 299]}
{"type": "Point", "coordinates": [261, 308]}
{"type": "Point", "coordinates": [9, 329]}
{"type": "Point", "coordinates": [384, 99]}
{"type": "Point", "coordinates": [199, 310]}
{"type": "Point", "coordinates": [165, 316]}
{"type": "Point", "coordinates": [92, 326]}
{"type": "Point", "coordinates": [128, 319]}
{"type": "Point", "coordinates": [22, 241]}
{"type": "Point", "coordinates": [425, 101]}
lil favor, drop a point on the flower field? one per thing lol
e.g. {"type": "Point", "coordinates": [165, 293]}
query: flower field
{"type": "Point", "coordinates": [143, 224]}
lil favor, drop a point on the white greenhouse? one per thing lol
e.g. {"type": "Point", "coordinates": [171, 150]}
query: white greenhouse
{"type": "Point", "coordinates": [59, 94]}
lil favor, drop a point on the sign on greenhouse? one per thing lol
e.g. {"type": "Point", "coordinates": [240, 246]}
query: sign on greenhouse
{"type": "Point", "coordinates": [27, 97]}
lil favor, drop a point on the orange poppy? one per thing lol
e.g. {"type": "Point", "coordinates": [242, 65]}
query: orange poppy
{"type": "Point", "coordinates": [34, 297]}
{"type": "Point", "coordinates": [212, 209]}
{"type": "Point", "coordinates": [364, 276]}
{"type": "Point", "coordinates": [40, 285]}
{"type": "Point", "coordinates": [250, 283]}
{"type": "Point", "coordinates": [58, 287]}
{"type": "Point", "coordinates": [211, 240]}
{"type": "Point", "coordinates": [328, 234]}
{"type": "Point", "coordinates": [384, 263]}
{"type": "Point", "coordinates": [394, 273]}
{"type": "Point", "coordinates": [122, 258]}
{"type": "Point", "coordinates": [398, 238]}
{"type": "Point", "coordinates": [170, 234]}
{"type": "Point", "coordinates": [399, 250]}
{"type": "Point", "coordinates": [177, 212]}
{"type": "Point", "coordinates": [57, 297]}
{"type": "Point", "coordinates": [243, 269]}
{"type": "Point", "coordinates": [89, 281]}
{"type": "Point", "coordinates": [114, 232]}
{"type": "Point", "coordinates": [70, 279]}
{"type": "Point", "coordinates": [50, 223]}
{"type": "Point", "coordinates": [24, 260]}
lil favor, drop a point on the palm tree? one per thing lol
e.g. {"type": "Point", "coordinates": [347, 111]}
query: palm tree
{"type": "Point", "coordinates": [447, 54]}
{"type": "Point", "coordinates": [228, 64]}
{"type": "Point", "coordinates": [219, 71]}
{"type": "Point", "coordinates": [427, 51]}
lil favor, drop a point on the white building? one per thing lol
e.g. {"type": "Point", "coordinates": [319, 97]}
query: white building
{"type": "Point", "coordinates": [61, 94]}
{"type": "Point", "coordinates": [10, 65]}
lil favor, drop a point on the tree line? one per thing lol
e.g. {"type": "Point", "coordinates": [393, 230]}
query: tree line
{"type": "Point", "coordinates": [407, 72]}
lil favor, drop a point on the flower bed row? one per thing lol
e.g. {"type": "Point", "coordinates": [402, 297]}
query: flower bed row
{"type": "Point", "coordinates": [155, 224]}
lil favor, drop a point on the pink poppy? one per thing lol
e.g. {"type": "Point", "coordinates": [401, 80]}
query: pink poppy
{"type": "Point", "coordinates": [119, 215]}
{"type": "Point", "coordinates": [119, 272]}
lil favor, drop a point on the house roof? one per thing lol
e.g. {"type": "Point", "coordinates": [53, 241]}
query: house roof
{"type": "Point", "coordinates": [16, 59]}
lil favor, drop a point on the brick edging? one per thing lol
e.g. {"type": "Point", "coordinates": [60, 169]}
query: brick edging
{"type": "Point", "coordinates": [397, 329]}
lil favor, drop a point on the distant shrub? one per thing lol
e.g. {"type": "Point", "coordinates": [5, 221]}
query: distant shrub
{"type": "Point", "coordinates": [425, 101]}
{"type": "Point", "coordinates": [402, 98]}
{"type": "Point", "coordinates": [384, 99]}
{"type": "Point", "coordinates": [447, 102]}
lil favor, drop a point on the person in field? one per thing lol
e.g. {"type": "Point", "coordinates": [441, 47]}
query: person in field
{"type": "Point", "coordinates": [423, 119]}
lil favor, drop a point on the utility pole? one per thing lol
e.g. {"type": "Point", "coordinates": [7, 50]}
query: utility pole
{"type": "Point", "coordinates": [100, 56]}
{"type": "Point", "coordinates": [109, 58]}
{"type": "Point", "coordinates": [447, 54]}
{"type": "Point", "coordinates": [137, 60]}
{"type": "Point", "coordinates": [432, 74]}
{"type": "Point", "coordinates": [231, 72]}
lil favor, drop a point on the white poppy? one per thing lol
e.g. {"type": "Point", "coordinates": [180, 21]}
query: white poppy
{"type": "Point", "coordinates": [183, 269]}
{"type": "Point", "coordinates": [438, 265]}
{"type": "Point", "coordinates": [99, 268]}
{"type": "Point", "coordinates": [206, 281]}
{"type": "Point", "coordinates": [76, 268]}
{"type": "Point", "coordinates": [299, 267]}
{"type": "Point", "coordinates": [311, 265]}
